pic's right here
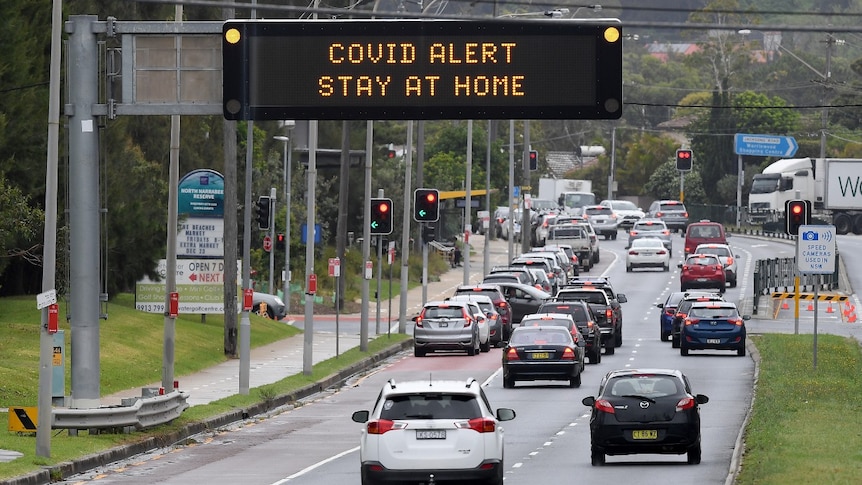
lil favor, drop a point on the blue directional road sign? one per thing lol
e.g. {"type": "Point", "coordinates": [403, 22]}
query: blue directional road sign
{"type": "Point", "coordinates": [764, 145]}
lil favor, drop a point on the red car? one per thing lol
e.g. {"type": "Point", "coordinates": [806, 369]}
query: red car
{"type": "Point", "coordinates": [702, 271]}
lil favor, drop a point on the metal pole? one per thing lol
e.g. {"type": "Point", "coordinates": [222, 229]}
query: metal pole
{"type": "Point", "coordinates": [511, 219]}
{"type": "Point", "coordinates": [824, 119]}
{"type": "Point", "coordinates": [816, 290]}
{"type": "Point", "coordinates": [468, 210]}
{"type": "Point", "coordinates": [308, 334]}
{"type": "Point", "coordinates": [613, 162]}
{"type": "Point", "coordinates": [288, 178]}
{"type": "Point", "coordinates": [486, 260]}
{"type": "Point", "coordinates": [740, 180]}
{"type": "Point", "coordinates": [526, 238]}
{"type": "Point", "coordinates": [271, 233]}
{"type": "Point", "coordinates": [405, 230]}
{"type": "Point", "coordinates": [366, 238]}
{"type": "Point", "coordinates": [84, 210]}
{"type": "Point", "coordinates": [49, 251]}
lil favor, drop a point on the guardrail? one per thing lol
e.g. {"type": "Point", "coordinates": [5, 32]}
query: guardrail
{"type": "Point", "coordinates": [779, 274]}
{"type": "Point", "coordinates": [142, 413]}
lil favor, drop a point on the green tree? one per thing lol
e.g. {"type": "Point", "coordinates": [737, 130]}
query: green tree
{"type": "Point", "coordinates": [664, 184]}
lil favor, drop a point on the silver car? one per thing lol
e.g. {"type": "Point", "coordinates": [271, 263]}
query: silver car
{"type": "Point", "coordinates": [651, 228]}
{"type": "Point", "coordinates": [725, 255]}
{"type": "Point", "coordinates": [446, 325]}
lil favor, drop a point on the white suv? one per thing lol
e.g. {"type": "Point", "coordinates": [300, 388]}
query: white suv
{"type": "Point", "coordinates": [427, 431]}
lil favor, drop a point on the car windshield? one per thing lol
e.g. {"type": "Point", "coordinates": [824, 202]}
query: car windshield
{"type": "Point", "coordinates": [713, 312]}
{"type": "Point", "coordinates": [443, 312]}
{"type": "Point", "coordinates": [624, 205]}
{"type": "Point", "coordinates": [702, 260]}
{"type": "Point", "coordinates": [430, 406]}
{"type": "Point", "coordinates": [528, 336]}
{"type": "Point", "coordinates": [646, 386]}
{"type": "Point", "coordinates": [718, 251]}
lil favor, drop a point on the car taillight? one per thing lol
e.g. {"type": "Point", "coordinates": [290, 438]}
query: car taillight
{"type": "Point", "coordinates": [666, 232]}
{"type": "Point", "coordinates": [609, 314]}
{"type": "Point", "coordinates": [551, 275]}
{"type": "Point", "coordinates": [512, 354]}
{"type": "Point", "coordinates": [633, 252]}
{"type": "Point", "coordinates": [736, 321]}
{"type": "Point", "coordinates": [604, 406]}
{"type": "Point", "coordinates": [568, 354]}
{"type": "Point", "coordinates": [685, 268]}
{"type": "Point", "coordinates": [685, 403]}
{"type": "Point", "coordinates": [590, 323]}
{"type": "Point", "coordinates": [669, 311]}
{"type": "Point", "coordinates": [661, 251]}
{"type": "Point", "coordinates": [691, 321]}
{"type": "Point", "coordinates": [659, 214]}
{"type": "Point", "coordinates": [383, 425]}
{"type": "Point", "coordinates": [729, 261]}
{"type": "Point", "coordinates": [419, 322]}
{"type": "Point", "coordinates": [633, 232]}
{"type": "Point", "coordinates": [685, 214]}
{"type": "Point", "coordinates": [482, 425]}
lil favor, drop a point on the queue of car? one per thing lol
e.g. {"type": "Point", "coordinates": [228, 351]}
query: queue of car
{"type": "Point", "coordinates": [550, 321]}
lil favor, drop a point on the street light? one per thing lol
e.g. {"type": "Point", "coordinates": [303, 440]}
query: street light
{"type": "Point", "coordinates": [596, 8]}
{"type": "Point", "coordinates": [287, 181]}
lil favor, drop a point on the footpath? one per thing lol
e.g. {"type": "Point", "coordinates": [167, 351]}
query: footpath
{"type": "Point", "coordinates": [278, 360]}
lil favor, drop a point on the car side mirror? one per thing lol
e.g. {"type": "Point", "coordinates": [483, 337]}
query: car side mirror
{"type": "Point", "coordinates": [621, 297]}
{"type": "Point", "coordinates": [746, 317]}
{"type": "Point", "coordinates": [701, 399]}
{"type": "Point", "coordinates": [659, 305]}
{"type": "Point", "coordinates": [505, 414]}
{"type": "Point", "coordinates": [679, 265]}
{"type": "Point", "coordinates": [360, 416]}
{"type": "Point", "coordinates": [589, 401]}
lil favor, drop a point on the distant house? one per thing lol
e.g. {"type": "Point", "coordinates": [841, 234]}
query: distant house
{"type": "Point", "coordinates": [663, 51]}
{"type": "Point", "coordinates": [561, 163]}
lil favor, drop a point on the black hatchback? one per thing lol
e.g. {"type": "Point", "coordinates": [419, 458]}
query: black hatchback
{"type": "Point", "coordinates": [645, 411]}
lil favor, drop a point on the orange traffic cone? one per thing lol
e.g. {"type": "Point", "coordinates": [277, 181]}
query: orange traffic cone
{"type": "Point", "coordinates": [852, 317]}
{"type": "Point", "coordinates": [846, 308]}
{"type": "Point", "coordinates": [810, 307]}
{"type": "Point", "coordinates": [784, 305]}
{"type": "Point", "coordinates": [829, 308]}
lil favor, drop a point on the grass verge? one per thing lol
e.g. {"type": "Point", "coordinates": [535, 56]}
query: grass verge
{"type": "Point", "coordinates": [806, 424]}
{"type": "Point", "coordinates": [131, 356]}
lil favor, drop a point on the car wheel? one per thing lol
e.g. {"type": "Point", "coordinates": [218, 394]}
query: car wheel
{"type": "Point", "coordinates": [486, 347]}
{"type": "Point", "coordinates": [618, 339]}
{"type": "Point", "coordinates": [733, 283]}
{"type": "Point", "coordinates": [683, 351]}
{"type": "Point", "coordinates": [614, 236]}
{"type": "Point", "coordinates": [741, 350]}
{"type": "Point", "coordinates": [595, 355]}
{"type": "Point", "coordinates": [665, 268]}
{"type": "Point", "coordinates": [628, 269]}
{"type": "Point", "coordinates": [674, 341]}
{"type": "Point", "coordinates": [417, 352]}
{"type": "Point", "coordinates": [694, 455]}
{"type": "Point", "coordinates": [609, 347]}
{"type": "Point", "coordinates": [575, 381]}
{"type": "Point", "coordinates": [664, 336]}
{"type": "Point", "coordinates": [508, 382]}
{"type": "Point", "coordinates": [683, 288]}
{"type": "Point", "coordinates": [472, 350]}
{"type": "Point", "coordinates": [597, 457]}
{"type": "Point", "coordinates": [722, 290]}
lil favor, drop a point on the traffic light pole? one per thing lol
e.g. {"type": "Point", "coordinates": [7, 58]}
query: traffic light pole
{"type": "Point", "coordinates": [271, 233]}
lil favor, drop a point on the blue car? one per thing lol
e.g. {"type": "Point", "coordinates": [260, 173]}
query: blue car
{"type": "Point", "coordinates": [713, 325]}
{"type": "Point", "coordinates": [665, 319]}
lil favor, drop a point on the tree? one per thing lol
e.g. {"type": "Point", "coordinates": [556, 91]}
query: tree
{"type": "Point", "coordinates": [664, 184]}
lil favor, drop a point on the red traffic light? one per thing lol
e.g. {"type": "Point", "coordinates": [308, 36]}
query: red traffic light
{"type": "Point", "coordinates": [684, 154]}
{"type": "Point", "coordinates": [431, 197]}
{"type": "Point", "coordinates": [796, 208]}
{"type": "Point", "coordinates": [383, 207]}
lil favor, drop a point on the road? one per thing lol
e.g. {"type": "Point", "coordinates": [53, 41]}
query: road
{"type": "Point", "coordinates": [548, 442]}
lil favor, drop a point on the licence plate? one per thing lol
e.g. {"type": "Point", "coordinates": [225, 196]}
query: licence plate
{"type": "Point", "coordinates": [701, 280]}
{"type": "Point", "coordinates": [540, 355]}
{"type": "Point", "coordinates": [713, 340]}
{"type": "Point", "coordinates": [444, 324]}
{"type": "Point", "coordinates": [430, 434]}
{"type": "Point", "coordinates": [644, 434]}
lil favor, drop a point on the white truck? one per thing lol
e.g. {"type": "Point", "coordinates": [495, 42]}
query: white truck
{"type": "Point", "coordinates": [833, 185]}
{"type": "Point", "coordinates": [568, 193]}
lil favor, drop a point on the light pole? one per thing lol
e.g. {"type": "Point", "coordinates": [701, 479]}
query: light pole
{"type": "Point", "coordinates": [288, 178]}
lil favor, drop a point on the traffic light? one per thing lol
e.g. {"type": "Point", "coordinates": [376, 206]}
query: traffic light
{"type": "Point", "coordinates": [429, 232]}
{"type": "Point", "coordinates": [426, 205]}
{"type": "Point", "coordinates": [683, 159]}
{"type": "Point", "coordinates": [262, 212]}
{"type": "Point", "coordinates": [381, 216]}
{"type": "Point", "coordinates": [279, 242]}
{"type": "Point", "coordinates": [534, 160]}
{"type": "Point", "coordinates": [797, 213]}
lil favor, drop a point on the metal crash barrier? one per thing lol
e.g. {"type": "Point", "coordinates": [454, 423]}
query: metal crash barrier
{"type": "Point", "coordinates": [779, 275]}
{"type": "Point", "coordinates": [143, 413]}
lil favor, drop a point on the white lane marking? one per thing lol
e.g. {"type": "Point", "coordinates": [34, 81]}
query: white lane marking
{"type": "Point", "coordinates": [316, 465]}
{"type": "Point", "coordinates": [517, 465]}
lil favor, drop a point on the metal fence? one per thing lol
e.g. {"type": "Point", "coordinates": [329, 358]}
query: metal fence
{"type": "Point", "coordinates": [779, 274]}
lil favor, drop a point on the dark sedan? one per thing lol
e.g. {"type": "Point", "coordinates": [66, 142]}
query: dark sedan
{"type": "Point", "coordinates": [522, 299]}
{"type": "Point", "coordinates": [645, 411]}
{"type": "Point", "coordinates": [542, 353]}
{"type": "Point", "coordinates": [665, 319]}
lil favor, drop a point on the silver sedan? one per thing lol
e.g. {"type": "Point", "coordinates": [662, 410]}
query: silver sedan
{"type": "Point", "coordinates": [651, 228]}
